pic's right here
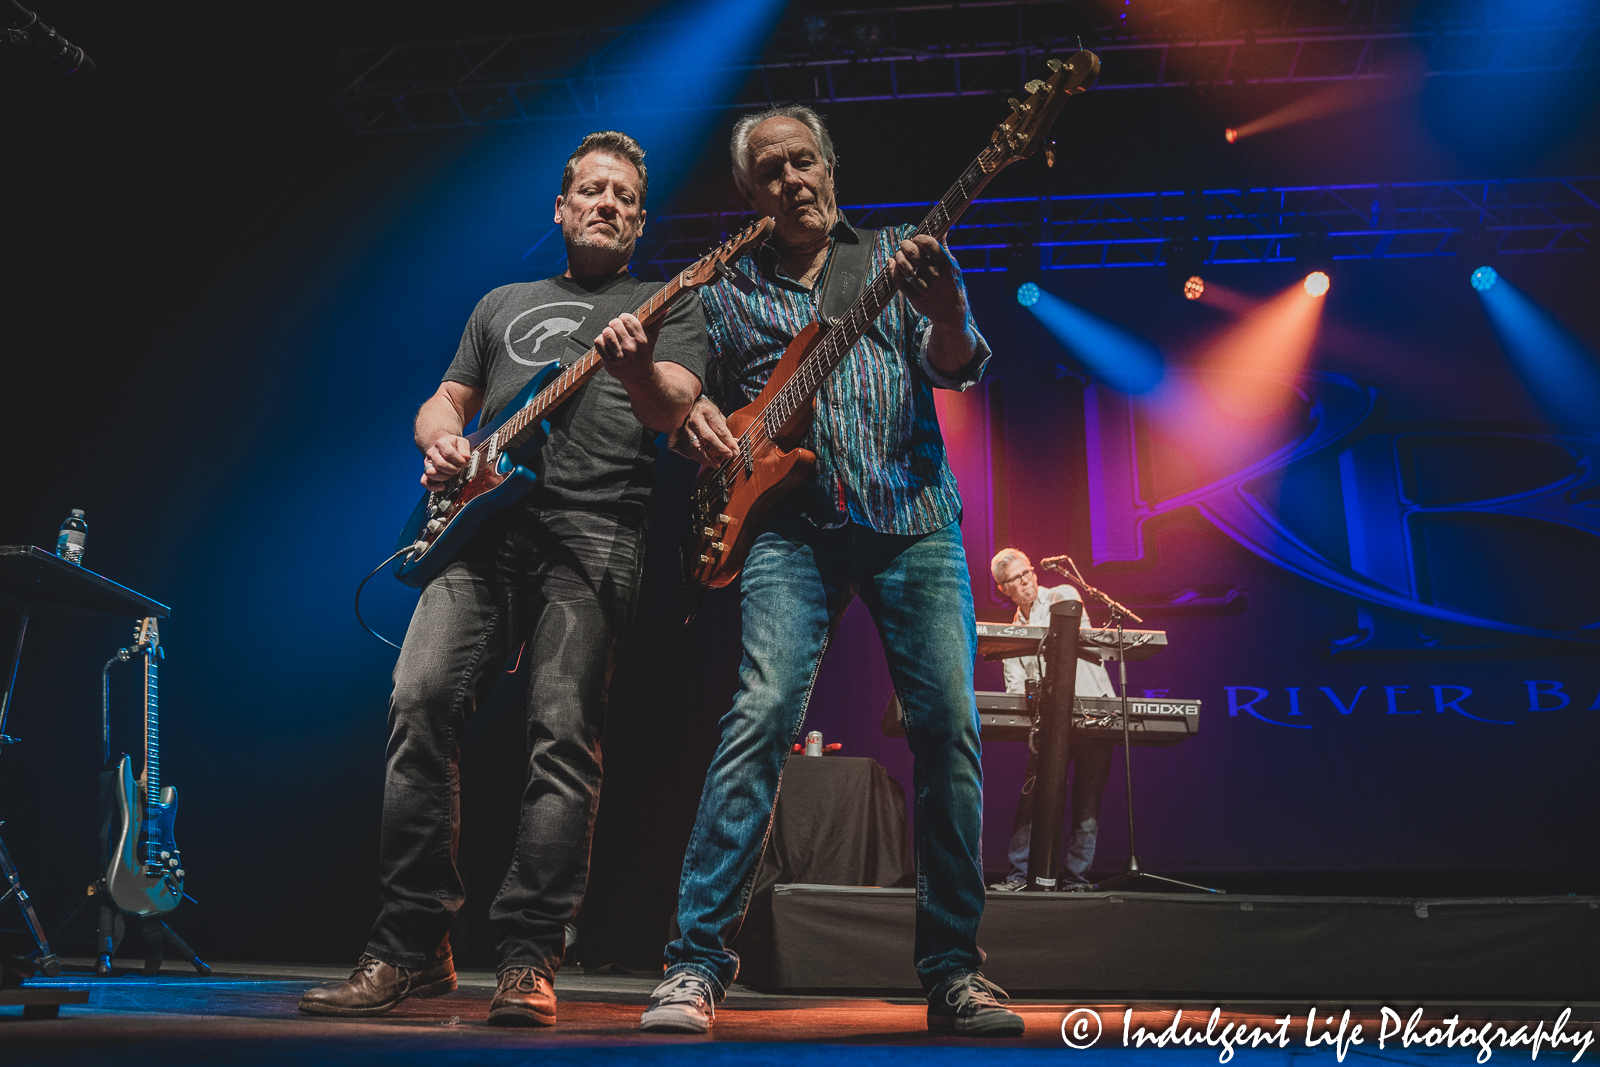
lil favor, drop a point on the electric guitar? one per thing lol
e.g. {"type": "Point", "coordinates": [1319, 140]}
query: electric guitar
{"type": "Point", "coordinates": [497, 476]}
{"type": "Point", "coordinates": [729, 501]}
{"type": "Point", "coordinates": [146, 873]}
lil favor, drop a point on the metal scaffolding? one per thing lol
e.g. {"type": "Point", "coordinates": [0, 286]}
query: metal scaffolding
{"type": "Point", "coordinates": [925, 52]}
{"type": "Point", "coordinates": [1390, 221]}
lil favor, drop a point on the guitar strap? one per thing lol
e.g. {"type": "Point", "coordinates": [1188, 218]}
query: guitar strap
{"type": "Point", "coordinates": [845, 277]}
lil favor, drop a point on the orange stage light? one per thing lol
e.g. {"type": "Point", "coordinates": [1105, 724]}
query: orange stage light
{"type": "Point", "coordinates": [1340, 97]}
{"type": "Point", "coordinates": [1194, 288]}
{"type": "Point", "coordinates": [1317, 283]}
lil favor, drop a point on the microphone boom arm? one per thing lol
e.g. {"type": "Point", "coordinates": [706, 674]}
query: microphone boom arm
{"type": "Point", "coordinates": [1075, 576]}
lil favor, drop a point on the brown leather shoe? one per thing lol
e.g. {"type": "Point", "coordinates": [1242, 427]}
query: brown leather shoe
{"type": "Point", "coordinates": [523, 997]}
{"type": "Point", "coordinates": [374, 987]}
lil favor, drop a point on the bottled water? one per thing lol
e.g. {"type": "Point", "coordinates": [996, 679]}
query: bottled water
{"type": "Point", "coordinates": [74, 534]}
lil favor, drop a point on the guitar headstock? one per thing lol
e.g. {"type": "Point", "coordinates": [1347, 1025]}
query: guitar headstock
{"type": "Point", "coordinates": [147, 635]}
{"type": "Point", "coordinates": [1020, 135]}
{"type": "Point", "coordinates": [706, 269]}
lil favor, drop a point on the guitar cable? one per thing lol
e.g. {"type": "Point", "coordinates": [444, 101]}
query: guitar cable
{"type": "Point", "coordinates": [363, 585]}
{"type": "Point", "coordinates": [509, 670]}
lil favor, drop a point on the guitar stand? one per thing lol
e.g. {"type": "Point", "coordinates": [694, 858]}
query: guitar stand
{"type": "Point", "coordinates": [113, 924]}
{"type": "Point", "coordinates": [158, 937]}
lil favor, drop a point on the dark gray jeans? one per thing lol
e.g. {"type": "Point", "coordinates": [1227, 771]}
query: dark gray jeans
{"type": "Point", "coordinates": [565, 582]}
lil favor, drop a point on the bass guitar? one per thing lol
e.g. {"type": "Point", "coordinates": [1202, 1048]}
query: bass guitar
{"type": "Point", "coordinates": [497, 474]}
{"type": "Point", "coordinates": [729, 501]}
{"type": "Point", "coordinates": [145, 876]}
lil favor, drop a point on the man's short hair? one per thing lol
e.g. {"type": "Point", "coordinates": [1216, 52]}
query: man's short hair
{"type": "Point", "coordinates": [739, 143]}
{"type": "Point", "coordinates": [612, 143]}
{"type": "Point", "coordinates": [1002, 560]}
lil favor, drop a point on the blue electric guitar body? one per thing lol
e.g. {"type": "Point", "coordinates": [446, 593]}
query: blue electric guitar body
{"type": "Point", "coordinates": [497, 475]}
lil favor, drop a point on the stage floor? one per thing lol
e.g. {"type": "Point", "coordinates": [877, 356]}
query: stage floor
{"type": "Point", "coordinates": [245, 1014]}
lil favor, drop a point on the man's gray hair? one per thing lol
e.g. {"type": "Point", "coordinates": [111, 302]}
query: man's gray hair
{"type": "Point", "coordinates": [1002, 560]}
{"type": "Point", "coordinates": [739, 143]}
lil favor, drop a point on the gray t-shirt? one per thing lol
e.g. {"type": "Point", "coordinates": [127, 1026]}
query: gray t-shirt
{"type": "Point", "coordinates": [599, 456]}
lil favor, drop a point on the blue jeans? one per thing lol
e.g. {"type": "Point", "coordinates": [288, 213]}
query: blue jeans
{"type": "Point", "coordinates": [1091, 766]}
{"type": "Point", "coordinates": [797, 583]}
{"type": "Point", "coordinates": [564, 581]}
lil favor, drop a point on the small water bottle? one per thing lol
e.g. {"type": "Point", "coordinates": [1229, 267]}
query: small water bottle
{"type": "Point", "coordinates": [74, 535]}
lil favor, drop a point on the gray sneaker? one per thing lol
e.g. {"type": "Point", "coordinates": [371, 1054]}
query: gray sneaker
{"type": "Point", "coordinates": [684, 1004]}
{"type": "Point", "coordinates": [966, 1004]}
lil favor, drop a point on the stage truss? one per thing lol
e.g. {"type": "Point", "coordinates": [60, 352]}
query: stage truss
{"type": "Point", "coordinates": [1393, 221]}
{"type": "Point", "coordinates": [910, 53]}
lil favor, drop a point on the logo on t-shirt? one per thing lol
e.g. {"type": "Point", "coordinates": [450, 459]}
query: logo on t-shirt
{"type": "Point", "coordinates": [524, 340]}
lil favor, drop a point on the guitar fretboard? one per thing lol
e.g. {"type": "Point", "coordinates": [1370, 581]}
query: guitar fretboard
{"type": "Point", "coordinates": [152, 731]}
{"type": "Point", "coordinates": [518, 427]}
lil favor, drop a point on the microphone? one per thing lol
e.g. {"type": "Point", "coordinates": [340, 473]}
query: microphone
{"type": "Point", "coordinates": [48, 40]}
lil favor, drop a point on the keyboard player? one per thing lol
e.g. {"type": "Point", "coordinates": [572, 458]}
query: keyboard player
{"type": "Point", "coordinates": [1091, 760]}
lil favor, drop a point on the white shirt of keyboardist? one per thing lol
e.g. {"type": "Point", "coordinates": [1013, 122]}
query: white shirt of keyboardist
{"type": "Point", "coordinates": [1093, 681]}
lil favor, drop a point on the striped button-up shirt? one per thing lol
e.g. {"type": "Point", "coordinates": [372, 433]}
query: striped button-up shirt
{"type": "Point", "coordinates": [880, 458]}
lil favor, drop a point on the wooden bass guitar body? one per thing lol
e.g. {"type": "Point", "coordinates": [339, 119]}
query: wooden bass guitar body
{"type": "Point", "coordinates": [729, 502]}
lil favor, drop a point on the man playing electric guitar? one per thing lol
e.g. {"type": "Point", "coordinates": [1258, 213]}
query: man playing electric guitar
{"type": "Point", "coordinates": [559, 570]}
{"type": "Point", "coordinates": [878, 518]}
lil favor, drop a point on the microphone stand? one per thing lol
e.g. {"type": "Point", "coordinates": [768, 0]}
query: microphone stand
{"type": "Point", "coordinates": [1133, 871]}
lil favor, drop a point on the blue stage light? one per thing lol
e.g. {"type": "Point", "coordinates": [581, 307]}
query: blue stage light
{"type": "Point", "coordinates": [1483, 279]}
{"type": "Point", "coordinates": [1027, 294]}
{"type": "Point", "coordinates": [1561, 374]}
{"type": "Point", "coordinates": [1121, 358]}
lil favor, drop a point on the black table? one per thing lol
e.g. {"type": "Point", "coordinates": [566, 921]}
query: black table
{"type": "Point", "coordinates": [840, 820]}
{"type": "Point", "coordinates": [32, 580]}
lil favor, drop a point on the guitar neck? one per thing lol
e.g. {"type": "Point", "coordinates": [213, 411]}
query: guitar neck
{"type": "Point", "coordinates": [151, 779]}
{"type": "Point", "coordinates": [519, 427]}
{"type": "Point", "coordinates": [842, 335]}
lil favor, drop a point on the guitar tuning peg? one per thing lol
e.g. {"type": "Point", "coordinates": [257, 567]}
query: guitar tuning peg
{"type": "Point", "coordinates": [1034, 86]}
{"type": "Point", "coordinates": [1015, 104]}
{"type": "Point", "coordinates": [1054, 65]}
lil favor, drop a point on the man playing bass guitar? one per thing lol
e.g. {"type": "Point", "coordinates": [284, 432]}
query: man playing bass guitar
{"type": "Point", "coordinates": [877, 517]}
{"type": "Point", "coordinates": [559, 570]}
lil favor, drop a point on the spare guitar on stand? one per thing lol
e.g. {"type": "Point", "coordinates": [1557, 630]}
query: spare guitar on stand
{"type": "Point", "coordinates": [144, 873]}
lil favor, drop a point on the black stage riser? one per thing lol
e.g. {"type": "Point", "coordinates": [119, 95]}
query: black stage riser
{"type": "Point", "coordinates": [1171, 945]}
